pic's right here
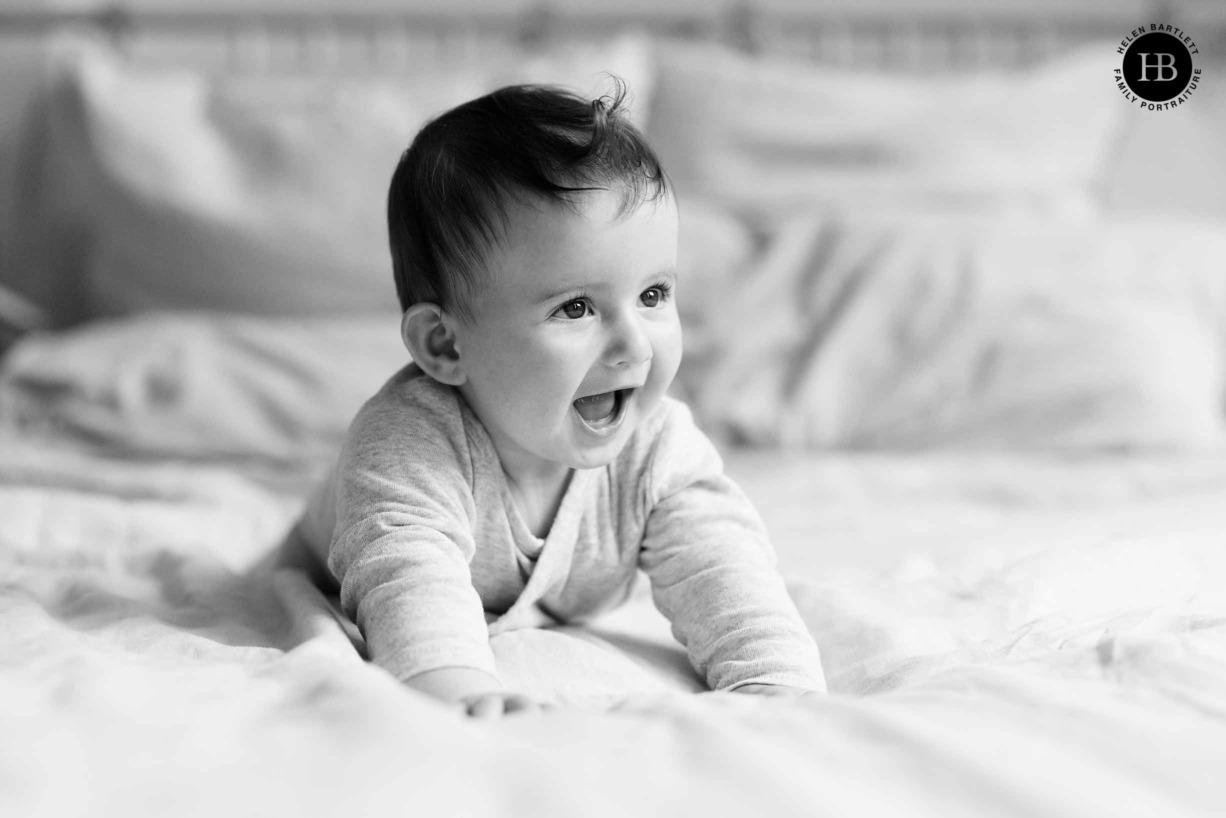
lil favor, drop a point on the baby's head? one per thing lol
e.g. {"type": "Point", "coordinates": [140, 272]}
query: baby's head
{"type": "Point", "coordinates": [534, 244]}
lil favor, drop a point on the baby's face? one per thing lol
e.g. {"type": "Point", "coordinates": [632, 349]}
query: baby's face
{"type": "Point", "coordinates": [574, 335]}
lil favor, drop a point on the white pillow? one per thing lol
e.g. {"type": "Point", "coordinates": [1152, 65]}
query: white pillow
{"type": "Point", "coordinates": [713, 248]}
{"type": "Point", "coordinates": [973, 331]}
{"type": "Point", "coordinates": [201, 386]}
{"type": "Point", "coordinates": [176, 189]}
{"type": "Point", "coordinates": [768, 135]}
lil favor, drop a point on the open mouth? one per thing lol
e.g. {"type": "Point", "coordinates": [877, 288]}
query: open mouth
{"type": "Point", "coordinates": [603, 411]}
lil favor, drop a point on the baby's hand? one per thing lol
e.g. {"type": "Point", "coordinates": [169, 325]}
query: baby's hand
{"type": "Point", "coordinates": [478, 693]}
{"type": "Point", "coordinates": [776, 690]}
{"type": "Point", "coordinates": [495, 704]}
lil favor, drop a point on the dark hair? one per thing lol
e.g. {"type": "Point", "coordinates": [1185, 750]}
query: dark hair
{"type": "Point", "coordinates": [450, 194]}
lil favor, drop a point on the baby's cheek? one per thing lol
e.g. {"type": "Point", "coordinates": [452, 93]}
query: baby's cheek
{"type": "Point", "coordinates": [668, 356]}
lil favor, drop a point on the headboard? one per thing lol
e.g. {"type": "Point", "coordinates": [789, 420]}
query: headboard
{"type": "Point", "coordinates": [922, 35]}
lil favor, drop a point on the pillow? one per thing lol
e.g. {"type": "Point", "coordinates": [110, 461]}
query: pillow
{"type": "Point", "coordinates": [22, 67]}
{"type": "Point", "coordinates": [1173, 163]}
{"type": "Point", "coordinates": [165, 189]}
{"type": "Point", "coordinates": [767, 135]}
{"type": "Point", "coordinates": [972, 331]}
{"type": "Point", "coordinates": [201, 386]}
{"type": "Point", "coordinates": [713, 248]}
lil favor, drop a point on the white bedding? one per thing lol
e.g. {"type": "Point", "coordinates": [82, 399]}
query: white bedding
{"type": "Point", "coordinates": [1018, 635]}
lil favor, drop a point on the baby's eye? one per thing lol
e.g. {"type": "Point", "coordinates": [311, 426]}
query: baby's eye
{"type": "Point", "coordinates": [652, 296]}
{"type": "Point", "coordinates": [574, 310]}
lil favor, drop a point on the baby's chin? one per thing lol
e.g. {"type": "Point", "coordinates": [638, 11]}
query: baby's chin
{"type": "Point", "coordinates": [597, 461]}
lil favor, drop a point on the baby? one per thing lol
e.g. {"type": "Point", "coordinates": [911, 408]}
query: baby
{"type": "Point", "coordinates": [527, 464]}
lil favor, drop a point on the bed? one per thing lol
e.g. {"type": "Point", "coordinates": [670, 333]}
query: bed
{"type": "Point", "coordinates": [955, 314]}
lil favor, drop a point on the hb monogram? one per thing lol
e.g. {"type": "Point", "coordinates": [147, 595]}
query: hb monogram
{"type": "Point", "coordinates": [1164, 63]}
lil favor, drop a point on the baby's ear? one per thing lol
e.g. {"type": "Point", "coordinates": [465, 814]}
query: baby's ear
{"type": "Point", "coordinates": [430, 339]}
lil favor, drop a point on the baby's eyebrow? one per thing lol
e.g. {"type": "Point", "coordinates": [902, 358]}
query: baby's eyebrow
{"type": "Point", "coordinates": [554, 295]}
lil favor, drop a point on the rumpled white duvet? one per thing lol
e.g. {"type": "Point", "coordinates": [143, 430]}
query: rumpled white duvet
{"type": "Point", "coordinates": [1003, 634]}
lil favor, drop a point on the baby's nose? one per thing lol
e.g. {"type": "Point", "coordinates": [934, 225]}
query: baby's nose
{"type": "Point", "coordinates": [629, 344]}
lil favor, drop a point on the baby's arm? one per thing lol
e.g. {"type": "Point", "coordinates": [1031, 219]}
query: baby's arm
{"type": "Point", "coordinates": [713, 574]}
{"type": "Point", "coordinates": [401, 550]}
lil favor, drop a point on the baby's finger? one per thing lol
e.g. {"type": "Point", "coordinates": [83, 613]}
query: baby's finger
{"type": "Point", "coordinates": [485, 707]}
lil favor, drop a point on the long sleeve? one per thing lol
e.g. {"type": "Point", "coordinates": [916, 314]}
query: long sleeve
{"type": "Point", "coordinates": [403, 539]}
{"type": "Point", "coordinates": [712, 570]}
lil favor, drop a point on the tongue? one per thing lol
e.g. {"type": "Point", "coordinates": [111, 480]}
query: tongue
{"type": "Point", "coordinates": [596, 407]}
